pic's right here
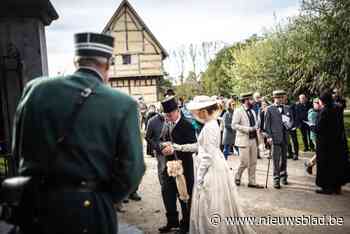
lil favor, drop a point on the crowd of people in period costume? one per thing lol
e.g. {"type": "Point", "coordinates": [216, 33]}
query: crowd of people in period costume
{"type": "Point", "coordinates": [245, 126]}
{"type": "Point", "coordinates": [96, 157]}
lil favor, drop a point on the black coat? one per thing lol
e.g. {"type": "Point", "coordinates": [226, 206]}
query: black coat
{"type": "Point", "coordinates": [301, 111]}
{"type": "Point", "coordinates": [154, 129]}
{"type": "Point", "coordinates": [150, 115]}
{"type": "Point", "coordinates": [332, 158]}
{"type": "Point", "coordinates": [184, 133]}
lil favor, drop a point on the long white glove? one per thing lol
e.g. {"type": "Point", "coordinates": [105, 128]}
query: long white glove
{"type": "Point", "coordinates": [186, 147]}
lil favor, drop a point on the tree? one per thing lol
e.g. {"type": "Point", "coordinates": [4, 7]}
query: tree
{"type": "Point", "coordinates": [190, 88]}
{"type": "Point", "coordinates": [307, 54]}
{"type": "Point", "coordinates": [164, 85]}
{"type": "Point", "coordinates": [193, 54]}
{"type": "Point", "coordinates": [180, 58]}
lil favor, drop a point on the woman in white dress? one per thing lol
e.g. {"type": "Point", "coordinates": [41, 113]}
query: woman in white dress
{"type": "Point", "coordinates": [214, 191]}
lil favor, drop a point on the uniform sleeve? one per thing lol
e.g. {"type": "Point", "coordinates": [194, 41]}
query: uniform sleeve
{"type": "Point", "coordinates": [129, 165]}
{"type": "Point", "coordinates": [22, 149]}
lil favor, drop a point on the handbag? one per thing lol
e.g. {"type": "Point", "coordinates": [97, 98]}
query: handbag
{"type": "Point", "coordinates": [19, 194]}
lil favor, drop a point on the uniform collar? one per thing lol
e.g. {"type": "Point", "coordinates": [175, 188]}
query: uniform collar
{"type": "Point", "coordinates": [91, 71]}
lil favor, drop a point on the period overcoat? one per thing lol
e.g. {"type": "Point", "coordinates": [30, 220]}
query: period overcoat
{"type": "Point", "coordinates": [103, 148]}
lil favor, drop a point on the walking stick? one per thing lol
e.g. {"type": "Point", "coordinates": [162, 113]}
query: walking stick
{"type": "Point", "coordinates": [268, 167]}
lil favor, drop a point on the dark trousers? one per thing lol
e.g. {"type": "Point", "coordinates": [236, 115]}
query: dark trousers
{"type": "Point", "coordinates": [279, 159]}
{"type": "Point", "coordinates": [293, 144]}
{"type": "Point", "coordinates": [170, 196]}
{"type": "Point", "coordinates": [228, 149]}
{"type": "Point", "coordinates": [305, 132]}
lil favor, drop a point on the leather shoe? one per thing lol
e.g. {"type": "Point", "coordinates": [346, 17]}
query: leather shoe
{"type": "Point", "coordinates": [338, 190]}
{"type": "Point", "coordinates": [284, 182]}
{"type": "Point", "coordinates": [168, 228]}
{"type": "Point", "coordinates": [277, 186]}
{"type": "Point", "coordinates": [119, 208]}
{"type": "Point", "coordinates": [135, 197]}
{"type": "Point", "coordinates": [237, 182]}
{"type": "Point", "coordinates": [325, 191]}
{"type": "Point", "coordinates": [257, 186]}
{"type": "Point", "coordinates": [181, 232]}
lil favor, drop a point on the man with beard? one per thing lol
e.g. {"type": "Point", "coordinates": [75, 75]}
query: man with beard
{"type": "Point", "coordinates": [245, 123]}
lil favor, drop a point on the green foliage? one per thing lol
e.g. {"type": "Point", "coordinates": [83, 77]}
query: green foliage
{"type": "Point", "coordinates": [217, 80]}
{"type": "Point", "coordinates": [190, 88]}
{"type": "Point", "coordinates": [164, 85]}
{"type": "Point", "coordinates": [307, 54]}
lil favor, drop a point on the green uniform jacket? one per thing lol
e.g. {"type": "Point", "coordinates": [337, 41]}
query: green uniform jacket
{"type": "Point", "coordinates": [104, 145]}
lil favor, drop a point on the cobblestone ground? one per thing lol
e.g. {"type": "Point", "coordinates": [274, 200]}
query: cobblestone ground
{"type": "Point", "coordinates": [296, 199]}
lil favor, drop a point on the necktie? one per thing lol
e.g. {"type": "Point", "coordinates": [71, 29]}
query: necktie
{"type": "Point", "coordinates": [280, 108]}
{"type": "Point", "coordinates": [251, 118]}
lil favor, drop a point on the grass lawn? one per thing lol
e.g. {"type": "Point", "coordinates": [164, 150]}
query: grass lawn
{"type": "Point", "coordinates": [347, 130]}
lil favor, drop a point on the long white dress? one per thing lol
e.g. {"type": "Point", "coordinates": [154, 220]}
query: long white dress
{"type": "Point", "coordinates": [214, 191]}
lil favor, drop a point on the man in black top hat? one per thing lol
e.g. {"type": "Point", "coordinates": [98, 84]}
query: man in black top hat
{"type": "Point", "coordinates": [86, 152]}
{"type": "Point", "coordinates": [177, 130]}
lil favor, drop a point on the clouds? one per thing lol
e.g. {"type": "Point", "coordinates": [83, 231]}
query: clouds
{"type": "Point", "coordinates": [173, 22]}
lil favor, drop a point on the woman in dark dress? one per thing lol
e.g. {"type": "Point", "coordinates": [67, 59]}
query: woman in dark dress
{"type": "Point", "coordinates": [331, 154]}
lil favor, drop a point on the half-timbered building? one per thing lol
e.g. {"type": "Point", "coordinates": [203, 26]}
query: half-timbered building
{"type": "Point", "coordinates": [138, 55]}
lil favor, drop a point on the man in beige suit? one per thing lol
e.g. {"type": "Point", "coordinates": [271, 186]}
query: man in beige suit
{"type": "Point", "coordinates": [245, 123]}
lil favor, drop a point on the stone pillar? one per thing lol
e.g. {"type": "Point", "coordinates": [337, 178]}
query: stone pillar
{"type": "Point", "coordinates": [23, 53]}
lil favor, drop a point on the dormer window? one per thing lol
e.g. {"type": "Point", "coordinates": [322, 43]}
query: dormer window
{"type": "Point", "coordinates": [126, 59]}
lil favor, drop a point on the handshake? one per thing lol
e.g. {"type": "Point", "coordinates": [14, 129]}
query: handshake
{"type": "Point", "coordinates": [167, 148]}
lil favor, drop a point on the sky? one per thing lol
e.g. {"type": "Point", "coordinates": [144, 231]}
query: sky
{"type": "Point", "coordinates": [173, 22]}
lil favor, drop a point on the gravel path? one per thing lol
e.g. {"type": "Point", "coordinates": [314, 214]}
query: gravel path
{"type": "Point", "coordinates": [296, 199]}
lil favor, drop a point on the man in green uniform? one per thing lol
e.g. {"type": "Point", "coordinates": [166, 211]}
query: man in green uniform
{"type": "Point", "coordinates": [82, 140]}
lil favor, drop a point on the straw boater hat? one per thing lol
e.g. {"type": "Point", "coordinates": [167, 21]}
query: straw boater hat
{"type": "Point", "coordinates": [200, 102]}
{"type": "Point", "coordinates": [278, 93]}
{"type": "Point", "coordinates": [244, 96]}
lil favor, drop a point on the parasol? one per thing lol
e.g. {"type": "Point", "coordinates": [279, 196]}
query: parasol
{"type": "Point", "coordinates": [175, 169]}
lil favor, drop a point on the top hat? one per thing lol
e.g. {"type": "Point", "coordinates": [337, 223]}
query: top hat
{"type": "Point", "coordinates": [169, 104]}
{"type": "Point", "coordinates": [93, 45]}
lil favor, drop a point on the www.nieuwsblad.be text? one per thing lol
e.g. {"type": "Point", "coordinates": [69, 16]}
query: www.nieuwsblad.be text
{"type": "Point", "coordinates": [303, 220]}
